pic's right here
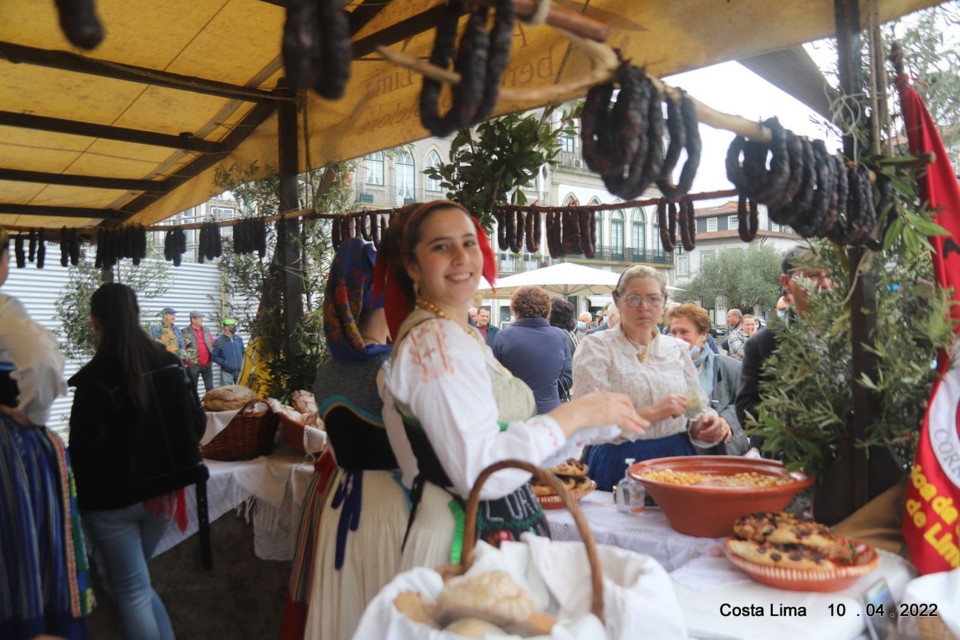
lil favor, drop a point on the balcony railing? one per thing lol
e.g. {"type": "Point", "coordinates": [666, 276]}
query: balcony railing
{"type": "Point", "coordinates": [628, 254]}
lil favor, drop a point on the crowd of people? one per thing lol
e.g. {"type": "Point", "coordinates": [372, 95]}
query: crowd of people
{"type": "Point", "coordinates": [199, 350]}
{"type": "Point", "coordinates": [420, 395]}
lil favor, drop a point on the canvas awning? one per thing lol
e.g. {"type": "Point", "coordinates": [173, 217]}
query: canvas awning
{"type": "Point", "coordinates": [133, 130]}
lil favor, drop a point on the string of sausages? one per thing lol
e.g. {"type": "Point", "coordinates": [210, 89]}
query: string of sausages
{"type": "Point", "coordinates": [316, 46]}
{"type": "Point", "coordinates": [79, 22]}
{"type": "Point", "coordinates": [210, 245]}
{"type": "Point", "coordinates": [808, 189]}
{"type": "Point", "coordinates": [623, 142]}
{"type": "Point", "coordinates": [121, 242]}
{"type": "Point", "coordinates": [480, 60]}
{"type": "Point", "coordinates": [369, 225]}
{"type": "Point", "coordinates": [250, 236]}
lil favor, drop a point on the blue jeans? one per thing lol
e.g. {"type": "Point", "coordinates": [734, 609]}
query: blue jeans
{"type": "Point", "coordinates": [126, 538]}
{"type": "Point", "coordinates": [227, 378]}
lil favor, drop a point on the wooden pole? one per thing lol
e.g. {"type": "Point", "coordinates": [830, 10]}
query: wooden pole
{"type": "Point", "coordinates": [288, 229]}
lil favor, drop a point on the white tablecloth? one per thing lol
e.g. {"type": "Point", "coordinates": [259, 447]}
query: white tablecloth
{"type": "Point", "coordinates": [268, 491]}
{"type": "Point", "coordinates": [647, 532]}
{"type": "Point", "coordinates": [708, 585]}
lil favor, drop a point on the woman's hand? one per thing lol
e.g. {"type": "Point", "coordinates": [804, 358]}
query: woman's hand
{"type": "Point", "coordinates": [596, 409]}
{"type": "Point", "coordinates": [711, 428]}
{"type": "Point", "coordinates": [672, 405]}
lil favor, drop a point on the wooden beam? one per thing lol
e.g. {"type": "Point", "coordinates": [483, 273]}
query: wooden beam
{"type": "Point", "coordinates": [67, 61]}
{"type": "Point", "coordinates": [74, 180]}
{"type": "Point", "coordinates": [44, 123]}
{"type": "Point", "coordinates": [60, 212]}
{"type": "Point", "coordinates": [244, 128]}
{"type": "Point", "coordinates": [423, 21]}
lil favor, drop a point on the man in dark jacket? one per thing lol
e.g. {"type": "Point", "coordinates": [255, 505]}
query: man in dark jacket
{"type": "Point", "coordinates": [228, 353]}
{"type": "Point", "coordinates": [487, 330]}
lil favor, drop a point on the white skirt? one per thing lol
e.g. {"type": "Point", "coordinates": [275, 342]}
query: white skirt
{"type": "Point", "coordinates": [431, 536]}
{"type": "Point", "coordinates": [371, 556]}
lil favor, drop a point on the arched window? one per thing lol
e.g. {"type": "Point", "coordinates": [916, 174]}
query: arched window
{"type": "Point", "coordinates": [639, 232]}
{"type": "Point", "coordinates": [406, 171]}
{"type": "Point", "coordinates": [570, 200]}
{"type": "Point", "coordinates": [374, 163]}
{"type": "Point", "coordinates": [616, 232]}
{"type": "Point", "coordinates": [433, 161]}
{"type": "Point", "coordinates": [599, 222]}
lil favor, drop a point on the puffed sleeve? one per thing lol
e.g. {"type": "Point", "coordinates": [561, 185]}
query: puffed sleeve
{"type": "Point", "coordinates": [591, 367]}
{"type": "Point", "coordinates": [439, 374]}
{"type": "Point", "coordinates": [38, 363]}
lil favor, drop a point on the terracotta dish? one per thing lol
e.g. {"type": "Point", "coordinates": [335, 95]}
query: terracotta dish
{"type": "Point", "coordinates": [709, 511]}
{"type": "Point", "coordinates": [857, 559]}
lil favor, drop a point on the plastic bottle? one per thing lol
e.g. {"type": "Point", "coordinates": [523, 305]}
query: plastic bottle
{"type": "Point", "coordinates": [628, 493]}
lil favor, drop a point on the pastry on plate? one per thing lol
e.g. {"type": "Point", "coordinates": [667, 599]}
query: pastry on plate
{"type": "Point", "coordinates": [783, 528]}
{"type": "Point", "coordinates": [780, 555]}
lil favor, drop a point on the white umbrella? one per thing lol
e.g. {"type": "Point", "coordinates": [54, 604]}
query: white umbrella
{"type": "Point", "coordinates": [564, 279]}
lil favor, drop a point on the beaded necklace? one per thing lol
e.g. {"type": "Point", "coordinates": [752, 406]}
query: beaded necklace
{"type": "Point", "coordinates": [426, 305]}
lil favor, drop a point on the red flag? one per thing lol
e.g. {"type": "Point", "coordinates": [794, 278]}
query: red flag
{"type": "Point", "coordinates": [930, 525]}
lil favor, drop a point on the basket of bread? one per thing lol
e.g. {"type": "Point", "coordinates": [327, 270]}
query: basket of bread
{"type": "Point", "coordinates": [296, 417]}
{"type": "Point", "coordinates": [573, 475]}
{"type": "Point", "coordinates": [783, 550]}
{"type": "Point", "coordinates": [533, 588]}
{"type": "Point", "coordinates": [249, 430]}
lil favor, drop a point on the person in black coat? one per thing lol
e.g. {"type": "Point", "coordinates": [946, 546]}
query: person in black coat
{"type": "Point", "coordinates": [135, 428]}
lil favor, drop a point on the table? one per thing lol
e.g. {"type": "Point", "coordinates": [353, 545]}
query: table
{"type": "Point", "coordinates": [708, 586]}
{"type": "Point", "coordinates": [268, 491]}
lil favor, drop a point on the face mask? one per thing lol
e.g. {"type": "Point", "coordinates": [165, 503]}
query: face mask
{"type": "Point", "coordinates": [581, 325]}
{"type": "Point", "coordinates": [782, 313]}
{"type": "Point", "coordinates": [694, 352]}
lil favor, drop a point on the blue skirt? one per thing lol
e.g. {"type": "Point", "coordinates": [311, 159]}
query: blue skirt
{"type": "Point", "coordinates": [608, 463]}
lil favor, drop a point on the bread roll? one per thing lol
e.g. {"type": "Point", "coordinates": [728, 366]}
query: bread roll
{"type": "Point", "coordinates": [474, 628]}
{"type": "Point", "coordinates": [492, 596]}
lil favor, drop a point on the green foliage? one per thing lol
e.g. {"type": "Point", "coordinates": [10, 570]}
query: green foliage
{"type": "Point", "coordinates": [490, 164]}
{"type": "Point", "coordinates": [248, 278]}
{"type": "Point", "coordinates": [806, 403]}
{"type": "Point", "coordinates": [150, 280]}
{"type": "Point", "coordinates": [743, 278]}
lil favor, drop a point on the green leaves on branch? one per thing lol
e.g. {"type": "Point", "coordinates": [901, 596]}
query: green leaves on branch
{"type": "Point", "coordinates": [492, 163]}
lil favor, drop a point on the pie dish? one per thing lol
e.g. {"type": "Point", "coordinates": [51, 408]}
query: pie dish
{"type": "Point", "coordinates": [553, 501]}
{"type": "Point", "coordinates": [846, 563]}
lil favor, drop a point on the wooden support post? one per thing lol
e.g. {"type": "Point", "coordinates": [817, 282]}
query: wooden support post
{"type": "Point", "coordinates": [288, 229]}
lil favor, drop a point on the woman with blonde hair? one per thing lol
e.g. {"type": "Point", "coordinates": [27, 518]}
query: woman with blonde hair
{"type": "Point", "coordinates": [654, 370]}
{"type": "Point", "coordinates": [450, 408]}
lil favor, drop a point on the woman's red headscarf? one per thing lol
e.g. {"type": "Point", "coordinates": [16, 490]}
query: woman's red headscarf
{"type": "Point", "coordinates": [396, 249]}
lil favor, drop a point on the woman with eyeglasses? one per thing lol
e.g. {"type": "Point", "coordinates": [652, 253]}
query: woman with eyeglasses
{"type": "Point", "coordinates": [654, 370]}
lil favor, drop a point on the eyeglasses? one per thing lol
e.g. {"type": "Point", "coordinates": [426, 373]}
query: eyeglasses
{"type": "Point", "coordinates": [635, 300]}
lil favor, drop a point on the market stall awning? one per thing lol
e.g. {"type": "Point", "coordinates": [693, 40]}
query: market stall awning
{"type": "Point", "coordinates": [134, 130]}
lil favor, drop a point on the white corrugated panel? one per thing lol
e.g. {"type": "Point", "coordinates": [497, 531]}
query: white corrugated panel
{"type": "Point", "coordinates": [192, 286]}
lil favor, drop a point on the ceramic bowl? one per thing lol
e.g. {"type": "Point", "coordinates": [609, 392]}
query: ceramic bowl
{"type": "Point", "coordinates": [709, 511]}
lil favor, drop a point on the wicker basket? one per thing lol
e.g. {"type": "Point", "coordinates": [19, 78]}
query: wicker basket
{"type": "Point", "coordinates": [548, 478]}
{"type": "Point", "coordinates": [250, 434]}
{"type": "Point", "coordinates": [292, 432]}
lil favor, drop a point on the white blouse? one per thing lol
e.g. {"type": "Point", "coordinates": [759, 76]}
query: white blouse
{"type": "Point", "coordinates": [36, 358]}
{"type": "Point", "coordinates": [608, 361]}
{"type": "Point", "coordinates": [439, 374]}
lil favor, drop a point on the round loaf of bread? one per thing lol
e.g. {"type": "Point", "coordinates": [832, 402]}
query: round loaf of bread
{"type": "Point", "coordinates": [230, 398]}
{"type": "Point", "coordinates": [474, 628]}
{"type": "Point", "coordinates": [493, 597]}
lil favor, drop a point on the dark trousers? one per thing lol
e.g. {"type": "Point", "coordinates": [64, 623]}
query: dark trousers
{"type": "Point", "coordinates": [196, 371]}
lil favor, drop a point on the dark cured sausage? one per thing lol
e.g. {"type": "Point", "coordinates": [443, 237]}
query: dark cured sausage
{"type": "Point", "coordinates": [502, 231]}
{"type": "Point", "coordinates": [64, 247]}
{"type": "Point", "coordinates": [517, 245]}
{"type": "Point", "coordinates": [300, 45]}
{"type": "Point", "coordinates": [554, 231]}
{"type": "Point", "coordinates": [688, 225]}
{"type": "Point", "coordinates": [80, 23]}
{"type": "Point", "coordinates": [511, 230]}
{"type": "Point", "coordinates": [748, 219]}
{"type": "Point", "coordinates": [571, 232]}
{"type": "Point", "coordinates": [335, 48]}
{"type": "Point", "coordinates": [375, 229]}
{"type": "Point", "coordinates": [666, 238]}
{"type": "Point", "coordinates": [589, 247]}
{"type": "Point", "coordinates": [501, 37]}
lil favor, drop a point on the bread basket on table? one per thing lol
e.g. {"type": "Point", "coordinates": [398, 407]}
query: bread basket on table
{"type": "Point", "coordinates": [248, 435]}
{"type": "Point", "coordinates": [625, 592]}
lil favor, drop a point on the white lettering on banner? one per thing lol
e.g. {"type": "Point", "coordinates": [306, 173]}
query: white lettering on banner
{"type": "Point", "coordinates": [944, 424]}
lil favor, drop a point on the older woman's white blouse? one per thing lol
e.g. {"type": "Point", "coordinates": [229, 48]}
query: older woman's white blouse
{"type": "Point", "coordinates": [608, 361]}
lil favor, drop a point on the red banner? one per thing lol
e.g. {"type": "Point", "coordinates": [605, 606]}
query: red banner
{"type": "Point", "coordinates": [930, 524]}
